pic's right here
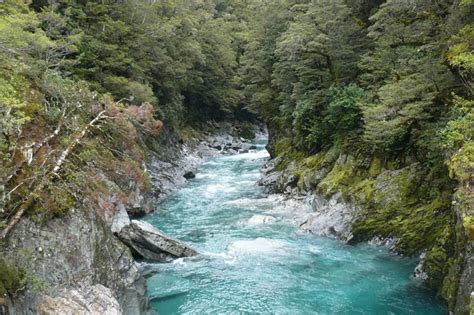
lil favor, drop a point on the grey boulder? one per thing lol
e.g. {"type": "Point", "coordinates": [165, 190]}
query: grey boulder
{"type": "Point", "coordinates": [149, 243]}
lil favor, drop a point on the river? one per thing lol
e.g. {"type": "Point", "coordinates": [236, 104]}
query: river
{"type": "Point", "coordinates": [256, 261]}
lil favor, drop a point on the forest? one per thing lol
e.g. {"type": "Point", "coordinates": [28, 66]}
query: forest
{"type": "Point", "coordinates": [85, 85]}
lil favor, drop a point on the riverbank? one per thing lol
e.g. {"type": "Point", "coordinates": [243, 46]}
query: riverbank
{"type": "Point", "coordinates": [256, 259]}
{"type": "Point", "coordinates": [72, 262]}
{"type": "Point", "coordinates": [409, 206]}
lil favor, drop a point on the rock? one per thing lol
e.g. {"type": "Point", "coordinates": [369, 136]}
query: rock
{"type": "Point", "coordinates": [271, 176]}
{"type": "Point", "coordinates": [189, 175]}
{"type": "Point", "coordinates": [120, 219]}
{"type": "Point", "coordinates": [242, 151]}
{"type": "Point", "coordinates": [332, 218]}
{"type": "Point", "coordinates": [261, 219]}
{"type": "Point", "coordinates": [291, 181]}
{"type": "Point", "coordinates": [248, 146]}
{"type": "Point", "coordinates": [93, 300]}
{"type": "Point", "coordinates": [419, 273]}
{"type": "Point", "coordinates": [150, 243]}
{"type": "Point", "coordinates": [78, 251]}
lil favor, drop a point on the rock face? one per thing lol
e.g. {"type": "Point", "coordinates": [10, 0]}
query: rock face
{"type": "Point", "coordinates": [150, 243]}
{"type": "Point", "coordinates": [94, 300]}
{"type": "Point", "coordinates": [76, 255]}
{"type": "Point", "coordinates": [332, 218]}
{"type": "Point", "coordinates": [120, 220]}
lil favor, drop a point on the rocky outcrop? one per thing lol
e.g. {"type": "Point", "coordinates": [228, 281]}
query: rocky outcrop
{"type": "Point", "coordinates": [464, 207]}
{"type": "Point", "coordinates": [331, 218]}
{"type": "Point", "coordinates": [149, 243]}
{"type": "Point", "coordinates": [68, 261]}
{"type": "Point", "coordinates": [271, 177]}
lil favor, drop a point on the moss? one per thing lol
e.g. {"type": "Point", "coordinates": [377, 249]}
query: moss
{"type": "Point", "coordinates": [339, 178]}
{"type": "Point", "coordinates": [291, 157]}
{"type": "Point", "coordinates": [37, 284]}
{"type": "Point", "coordinates": [282, 146]}
{"type": "Point", "coordinates": [375, 167]}
{"type": "Point", "coordinates": [332, 155]}
{"type": "Point", "coordinates": [299, 173]}
{"type": "Point", "coordinates": [314, 161]}
{"type": "Point", "coordinates": [450, 282]}
{"type": "Point", "coordinates": [468, 223]}
{"type": "Point", "coordinates": [12, 279]}
{"type": "Point", "coordinates": [363, 192]}
{"type": "Point", "coordinates": [411, 204]}
{"type": "Point", "coordinates": [462, 163]}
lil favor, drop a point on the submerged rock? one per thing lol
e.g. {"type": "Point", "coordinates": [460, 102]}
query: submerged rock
{"type": "Point", "coordinates": [189, 175]}
{"type": "Point", "coordinates": [261, 219]}
{"type": "Point", "coordinates": [150, 243]}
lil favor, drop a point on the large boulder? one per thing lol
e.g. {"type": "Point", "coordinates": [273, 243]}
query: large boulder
{"type": "Point", "coordinates": [149, 243]}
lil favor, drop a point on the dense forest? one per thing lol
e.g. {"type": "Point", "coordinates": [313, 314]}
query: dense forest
{"type": "Point", "coordinates": [385, 83]}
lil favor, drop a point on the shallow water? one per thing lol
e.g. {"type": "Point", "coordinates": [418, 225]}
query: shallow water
{"type": "Point", "coordinates": [256, 261]}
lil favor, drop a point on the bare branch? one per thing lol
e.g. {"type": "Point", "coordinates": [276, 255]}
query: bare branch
{"type": "Point", "coordinates": [54, 172]}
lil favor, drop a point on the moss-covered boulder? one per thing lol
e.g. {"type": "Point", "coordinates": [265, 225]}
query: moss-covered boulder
{"type": "Point", "coordinates": [12, 279]}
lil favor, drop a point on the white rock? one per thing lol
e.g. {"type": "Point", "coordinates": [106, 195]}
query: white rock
{"type": "Point", "coordinates": [261, 219]}
{"type": "Point", "coordinates": [94, 300]}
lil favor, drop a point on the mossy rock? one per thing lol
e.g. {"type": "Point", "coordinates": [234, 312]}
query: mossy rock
{"type": "Point", "coordinates": [340, 177]}
{"type": "Point", "coordinates": [375, 167]}
{"type": "Point", "coordinates": [12, 279]}
{"type": "Point", "coordinates": [363, 192]}
{"type": "Point", "coordinates": [282, 146]}
{"type": "Point", "coordinates": [314, 161]}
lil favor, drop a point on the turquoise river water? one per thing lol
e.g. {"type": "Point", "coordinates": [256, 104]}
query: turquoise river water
{"type": "Point", "coordinates": [251, 265]}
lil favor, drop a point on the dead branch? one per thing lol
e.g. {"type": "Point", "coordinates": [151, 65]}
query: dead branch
{"type": "Point", "coordinates": [54, 171]}
{"type": "Point", "coordinates": [37, 146]}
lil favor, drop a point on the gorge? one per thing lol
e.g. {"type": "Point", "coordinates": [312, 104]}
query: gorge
{"type": "Point", "coordinates": [228, 156]}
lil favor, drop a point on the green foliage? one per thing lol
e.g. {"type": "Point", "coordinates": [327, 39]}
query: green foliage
{"type": "Point", "coordinates": [344, 113]}
{"type": "Point", "coordinates": [461, 163]}
{"type": "Point", "coordinates": [460, 128]}
{"type": "Point", "coordinates": [13, 109]}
